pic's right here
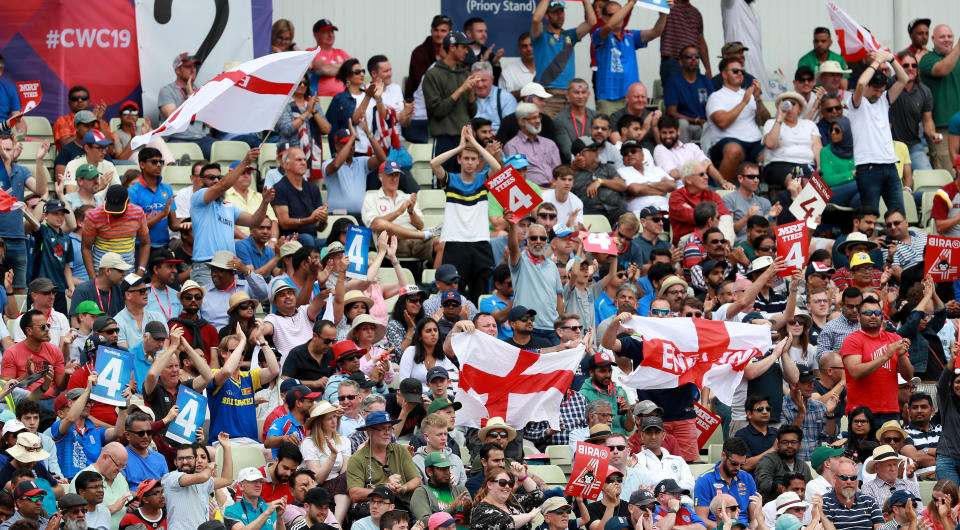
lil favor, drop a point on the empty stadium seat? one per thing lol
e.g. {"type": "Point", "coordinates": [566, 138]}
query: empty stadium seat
{"type": "Point", "coordinates": [190, 149]}
{"type": "Point", "coordinates": [176, 177]}
{"type": "Point", "coordinates": [930, 179]}
{"type": "Point", "coordinates": [243, 456]}
{"type": "Point", "coordinates": [428, 276]}
{"type": "Point", "coordinates": [551, 474]}
{"type": "Point", "coordinates": [559, 457]}
{"type": "Point", "coordinates": [28, 156]}
{"type": "Point", "coordinates": [38, 127]}
{"type": "Point", "coordinates": [432, 201]}
{"type": "Point", "coordinates": [226, 152]}
{"type": "Point", "coordinates": [597, 223]}
{"type": "Point", "coordinates": [332, 219]}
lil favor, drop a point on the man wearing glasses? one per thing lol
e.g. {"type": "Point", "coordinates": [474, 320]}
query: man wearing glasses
{"type": "Point", "coordinates": [668, 507]}
{"type": "Point", "coordinates": [774, 465]}
{"type": "Point", "coordinates": [79, 440]}
{"type": "Point", "coordinates": [735, 113]}
{"type": "Point", "coordinates": [745, 202]}
{"type": "Point", "coordinates": [654, 463]}
{"type": "Point", "coordinates": [838, 329]}
{"type": "Point", "coordinates": [726, 477]}
{"type": "Point", "coordinates": [536, 281]}
{"type": "Point", "coordinates": [846, 506]}
{"type": "Point", "coordinates": [685, 96]}
{"type": "Point", "coordinates": [143, 464]}
{"type": "Point", "coordinates": [174, 94]}
{"type": "Point", "coordinates": [189, 489]}
{"type": "Point", "coordinates": [132, 320]}
{"type": "Point", "coordinates": [108, 470]}
{"type": "Point", "coordinates": [311, 361]}
{"type": "Point", "coordinates": [610, 505]}
{"type": "Point", "coordinates": [381, 463]}
{"type": "Point", "coordinates": [198, 333]}
{"type": "Point", "coordinates": [94, 145]}
{"type": "Point", "coordinates": [73, 508]}
{"type": "Point", "coordinates": [872, 358]}
{"type": "Point", "coordinates": [155, 197]}
{"type": "Point", "coordinates": [28, 499]}
{"type": "Point", "coordinates": [37, 348]}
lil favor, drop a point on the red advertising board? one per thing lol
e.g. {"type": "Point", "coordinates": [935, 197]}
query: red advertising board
{"type": "Point", "coordinates": [707, 422]}
{"type": "Point", "coordinates": [590, 463]}
{"type": "Point", "coordinates": [513, 192]}
{"type": "Point", "coordinates": [793, 245]}
{"type": "Point", "coordinates": [942, 258]}
{"type": "Point", "coordinates": [29, 95]}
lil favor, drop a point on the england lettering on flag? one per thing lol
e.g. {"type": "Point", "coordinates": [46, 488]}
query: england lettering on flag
{"type": "Point", "coordinates": [520, 386]}
{"type": "Point", "coordinates": [854, 40]}
{"type": "Point", "coordinates": [248, 98]}
{"type": "Point", "coordinates": [708, 353]}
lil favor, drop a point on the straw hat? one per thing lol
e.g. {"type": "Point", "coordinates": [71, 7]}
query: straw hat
{"type": "Point", "coordinates": [381, 330]}
{"type": "Point", "coordinates": [357, 296]}
{"type": "Point", "coordinates": [320, 409]}
{"type": "Point", "coordinates": [238, 298]}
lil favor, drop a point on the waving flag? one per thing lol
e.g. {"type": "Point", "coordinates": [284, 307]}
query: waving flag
{"type": "Point", "coordinates": [854, 40]}
{"type": "Point", "coordinates": [8, 202]}
{"type": "Point", "coordinates": [707, 353]}
{"type": "Point", "coordinates": [520, 386]}
{"type": "Point", "coordinates": [248, 98]}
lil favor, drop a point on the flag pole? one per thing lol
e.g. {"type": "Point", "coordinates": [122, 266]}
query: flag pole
{"type": "Point", "coordinates": [265, 138]}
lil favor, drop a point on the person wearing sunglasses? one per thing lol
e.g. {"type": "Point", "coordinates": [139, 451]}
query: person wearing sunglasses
{"type": "Point", "coordinates": [28, 499]}
{"type": "Point", "coordinates": [310, 362]}
{"type": "Point", "coordinates": [536, 283]}
{"type": "Point", "coordinates": [668, 506]}
{"type": "Point", "coordinates": [804, 80]}
{"type": "Point", "coordinates": [610, 505]}
{"type": "Point", "coordinates": [196, 331]}
{"type": "Point", "coordinates": [498, 506]}
{"type": "Point", "coordinates": [684, 98]}
{"type": "Point", "coordinates": [847, 503]}
{"type": "Point", "coordinates": [759, 436]}
{"type": "Point", "coordinates": [727, 478]}
{"type": "Point", "coordinates": [872, 378]}
{"type": "Point", "coordinates": [64, 128]}
{"type": "Point", "coordinates": [655, 459]}
{"type": "Point", "coordinates": [737, 134]}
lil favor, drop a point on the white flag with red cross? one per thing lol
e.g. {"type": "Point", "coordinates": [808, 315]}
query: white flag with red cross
{"type": "Point", "coordinates": [520, 386]}
{"type": "Point", "coordinates": [248, 98]}
{"type": "Point", "coordinates": [854, 40]}
{"type": "Point", "coordinates": [708, 353]}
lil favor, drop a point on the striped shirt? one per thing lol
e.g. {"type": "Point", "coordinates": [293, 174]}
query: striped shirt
{"type": "Point", "coordinates": [465, 216]}
{"type": "Point", "coordinates": [833, 332]}
{"type": "Point", "coordinates": [911, 253]}
{"type": "Point", "coordinates": [924, 439]}
{"type": "Point", "coordinates": [111, 234]}
{"type": "Point", "coordinates": [684, 27]}
{"type": "Point", "coordinates": [864, 513]}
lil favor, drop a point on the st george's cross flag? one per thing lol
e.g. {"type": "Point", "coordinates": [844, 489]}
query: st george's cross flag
{"type": "Point", "coordinates": [520, 386]}
{"type": "Point", "coordinates": [248, 98]}
{"type": "Point", "coordinates": [707, 353]}
{"type": "Point", "coordinates": [854, 40]}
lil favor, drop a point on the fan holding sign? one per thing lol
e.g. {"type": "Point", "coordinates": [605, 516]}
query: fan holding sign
{"type": "Point", "coordinates": [84, 447]}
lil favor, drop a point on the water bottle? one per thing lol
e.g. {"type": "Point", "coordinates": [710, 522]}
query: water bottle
{"type": "Point", "coordinates": [786, 105]}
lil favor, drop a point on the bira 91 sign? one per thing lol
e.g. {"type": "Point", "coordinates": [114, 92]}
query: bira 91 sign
{"type": "Point", "coordinates": [942, 261]}
{"type": "Point", "coordinates": [590, 465]}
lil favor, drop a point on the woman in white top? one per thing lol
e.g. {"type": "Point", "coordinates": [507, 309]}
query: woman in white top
{"type": "Point", "coordinates": [801, 351]}
{"type": "Point", "coordinates": [326, 453]}
{"type": "Point", "coordinates": [793, 143]}
{"type": "Point", "coordinates": [424, 353]}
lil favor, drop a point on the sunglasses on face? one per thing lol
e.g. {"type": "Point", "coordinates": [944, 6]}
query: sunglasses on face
{"type": "Point", "coordinates": [154, 161]}
{"type": "Point", "coordinates": [660, 312]}
{"type": "Point", "coordinates": [142, 434]}
{"type": "Point", "coordinates": [735, 71]}
{"type": "Point", "coordinates": [751, 176]}
{"type": "Point", "coordinates": [525, 318]}
{"type": "Point", "coordinates": [692, 314]}
{"type": "Point", "coordinates": [537, 238]}
{"type": "Point", "coordinates": [615, 479]}
{"type": "Point", "coordinates": [836, 108]}
{"type": "Point", "coordinates": [617, 447]}
{"type": "Point", "coordinates": [715, 241]}
{"type": "Point", "coordinates": [655, 219]}
{"type": "Point", "coordinates": [129, 113]}
{"type": "Point", "coordinates": [692, 56]}
{"type": "Point", "coordinates": [561, 511]}
{"type": "Point", "coordinates": [796, 322]}
{"type": "Point", "coordinates": [329, 341]}
{"type": "Point", "coordinates": [909, 65]}
{"type": "Point", "coordinates": [543, 215]}
{"type": "Point", "coordinates": [806, 79]}
{"type": "Point", "coordinates": [836, 130]}
{"type": "Point", "coordinates": [763, 408]}
{"type": "Point", "coordinates": [872, 313]}
{"type": "Point", "coordinates": [572, 328]}
{"type": "Point", "coordinates": [502, 482]}
{"type": "Point", "coordinates": [347, 398]}
{"type": "Point", "coordinates": [190, 297]}
{"type": "Point", "coordinates": [79, 98]}
{"type": "Point", "coordinates": [766, 249]}
{"type": "Point", "coordinates": [733, 509]}
{"type": "Point", "coordinates": [245, 305]}
{"type": "Point", "coordinates": [359, 72]}
{"type": "Point", "coordinates": [451, 304]}
{"type": "Point", "coordinates": [111, 331]}
{"type": "Point", "coordinates": [895, 440]}
{"type": "Point", "coordinates": [847, 478]}
{"type": "Point", "coordinates": [33, 498]}
{"type": "Point", "coordinates": [43, 326]}
{"type": "Point", "coordinates": [498, 434]}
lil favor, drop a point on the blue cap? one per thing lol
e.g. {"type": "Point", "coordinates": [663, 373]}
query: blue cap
{"type": "Point", "coordinates": [287, 384]}
{"type": "Point", "coordinates": [518, 161]}
{"type": "Point", "coordinates": [450, 295]}
{"type": "Point", "coordinates": [561, 230]}
{"type": "Point", "coordinates": [94, 136]}
{"type": "Point", "coordinates": [901, 496]}
{"type": "Point", "coordinates": [377, 417]}
{"type": "Point", "coordinates": [753, 315]}
{"type": "Point", "coordinates": [616, 523]}
{"type": "Point", "coordinates": [389, 166]}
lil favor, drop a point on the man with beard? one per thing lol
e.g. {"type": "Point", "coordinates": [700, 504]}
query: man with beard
{"type": "Point", "coordinates": [381, 500]}
{"type": "Point", "coordinates": [73, 510]}
{"type": "Point", "coordinates": [541, 152]}
{"type": "Point", "coordinates": [727, 477]}
{"type": "Point", "coordinates": [27, 497]}
{"type": "Point", "coordinates": [276, 482]}
{"type": "Point", "coordinates": [845, 506]}
{"type": "Point", "coordinates": [940, 71]}
{"type": "Point", "coordinates": [598, 185]}
{"type": "Point", "coordinates": [536, 281]}
{"type": "Point", "coordinates": [152, 512]}
{"type": "Point", "coordinates": [815, 418]}
{"type": "Point", "coordinates": [837, 330]}
{"type": "Point", "coordinates": [685, 97]}
{"type": "Point", "coordinates": [316, 506]}
{"type": "Point", "coordinates": [163, 275]}
{"type": "Point", "coordinates": [867, 355]}
{"type": "Point", "coordinates": [90, 487]}
{"type": "Point", "coordinates": [600, 386]}
{"type": "Point", "coordinates": [774, 465]}
{"type": "Point", "coordinates": [189, 490]}
{"type": "Point", "coordinates": [199, 333]}
{"type": "Point", "coordinates": [439, 493]}
{"type": "Point", "coordinates": [162, 383]}
{"type": "Point", "coordinates": [311, 362]}
{"type": "Point", "coordinates": [718, 253]}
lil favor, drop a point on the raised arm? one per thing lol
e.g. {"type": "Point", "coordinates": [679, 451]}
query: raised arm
{"type": "Point", "coordinates": [232, 364]}
{"type": "Point", "coordinates": [589, 19]}
{"type": "Point", "coordinates": [536, 25]}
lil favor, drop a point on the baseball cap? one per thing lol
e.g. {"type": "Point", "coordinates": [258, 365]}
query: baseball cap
{"type": "Point", "coordinates": [94, 136]}
{"type": "Point", "coordinates": [819, 267]}
{"type": "Point", "coordinates": [160, 255]}
{"type": "Point", "coordinates": [112, 260]}
{"type": "Point", "coordinates": [629, 144]}
{"type": "Point", "coordinates": [143, 488]}
{"type": "Point", "coordinates": [341, 136]}
{"type": "Point", "coordinates": [88, 307]}
{"type": "Point", "coordinates": [442, 403]}
{"type": "Point", "coordinates": [456, 37]}
{"type": "Point", "coordinates": [902, 496]}
{"type": "Point", "coordinates": [710, 264]}
{"type": "Point", "coordinates": [669, 485]}
{"type": "Point", "coordinates": [84, 116]}
{"type": "Point", "coordinates": [27, 489]}
{"type": "Point", "coordinates": [806, 374]}
{"type": "Point", "coordinates": [733, 47]}
{"type": "Point", "coordinates": [383, 492]}
{"type": "Point", "coordinates": [411, 389]}
{"type": "Point", "coordinates": [642, 497]}
{"type": "Point", "coordinates": [555, 5]}
{"type": "Point", "coordinates": [290, 248]}
{"type": "Point", "coordinates": [917, 22]}
{"type": "Point", "coordinates": [129, 104]}
{"type": "Point", "coordinates": [518, 311]}
{"type": "Point", "coordinates": [156, 330]}
{"type": "Point", "coordinates": [860, 258]}
{"type": "Point", "coordinates": [42, 285]}
{"type": "Point", "coordinates": [287, 384]}
{"type": "Point", "coordinates": [437, 371]}
{"type": "Point", "coordinates": [447, 273]}
{"type": "Point", "coordinates": [534, 89]}
{"type": "Point", "coordinates": [390, 167]}
{"type": "Point", "coordinates": [249, 474]}
{"type": "Point", "coordinates": [13, 426]}
{"type": "Point", "coordinates": [131, 280]}
{"type": "Point", "coordinates": [102, 322]}
{"type": "Point", "coordinates": [361, 379]}
{"type": "Point", "coordinates": [651, 210]}
{"type": "Point", "coordinates": [450, 295]}
{"type": "Point", "coordinates": [646, 407]}
{"type": "Point", "coordinates": [561, 230]}
{"type": "Point", "coordinates": [617, 523]}
{"type": "Point", "coordinates": [185, 59]}
{"type": "Point", "coordinates": [299, 392]}
{"type": "Point", "coordinates": [439, 520]}
{"type": "Point", "coordinates": [517, 161]}
{"type": "Point", "coordinates": [437, 459]}
{"type": "Point", "coordinates": [579, 145]}
{"type": "Point", "coordinates": [55, 205]}
{"type": "Point", "coordinates": [87, 172]}
{"type": "Point", "coordinates": [324, 24]}
{"type": "Point", "coordinates": [553, 504]}
{"type": "Point", "coordinates": [601, 359]}
{"type": "Point", "coordinates": [317, 496]}
{"type": "Point", "coordinates": [654, 422]}
{"type": "Point", "coordinates": [822, 453]}
{"type": "Point", "coordinates": [117, 199]}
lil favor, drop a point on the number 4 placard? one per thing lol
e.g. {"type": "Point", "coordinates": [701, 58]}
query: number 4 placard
{"type": "Point", "coordinates": [510, 189]}
{"type": "Point", "coordinates": [358, 251]}
{"type": "Point", "coordinates": [113, 375]}
{"type": "Point", "coordinates": [793, 245]}
{"type": "Point", "coordinates": [193, 412]}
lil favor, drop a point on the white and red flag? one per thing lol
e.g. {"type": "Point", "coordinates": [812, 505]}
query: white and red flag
{"type": "Point", "coordinates": [854, 40]}
{"type": "Point", "coordinates": [520, 386]}
{"type": "Point", "coordinates": [248, 98]}
{"type": "Point", "coordinates": [708, 353]}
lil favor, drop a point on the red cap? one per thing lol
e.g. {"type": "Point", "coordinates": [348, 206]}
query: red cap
{"type": "Point", "coordinates": [129, 103]}
{"type": "Point", "coordinates": [60, 402]}
{"type": "Point", "coordinates": [146, 486]}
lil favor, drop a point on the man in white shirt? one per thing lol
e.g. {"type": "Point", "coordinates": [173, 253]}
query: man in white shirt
{"type": "Point", "coordinates": [43, 292]}
{"type": "Point", "coordinates": [392, 210]}
{"type": "Point", "coordinates": [670, 154]}
{"type": "Point", "coordinates": [392, 97]}
{"type": "Point", "coordinates": [735, 116]}
{"type": "Point", "coordinates": [95, 149]}
{"type": "Point", "coordinates": [824, 461]}
{"type": "Point", "coordinates": [569, 206]}
{"type": "Point", "coordinates": [872, 140]}
{"type": "Point", "coordinates": [656, 461]}
{"type": "Point", "coordinates": [518, 73]}
{"type": "Point", "coordinates": [647, 185]}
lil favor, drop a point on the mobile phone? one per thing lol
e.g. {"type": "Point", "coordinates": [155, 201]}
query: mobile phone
{"type": "Point", "coordinates": [36, 376]}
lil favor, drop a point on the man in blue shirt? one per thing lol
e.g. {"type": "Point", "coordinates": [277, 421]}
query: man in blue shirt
{"type": "Point", "coordinates": [163, 298]}
{"type": "Point", "coordinates": [615, 50]}
{"type": "Point", "coordinates": [251, 509]}
{"type": "Point", "coordinates": [290, 427]}
{"type": "Point", "coordinates": [501, 300]}
{"type": "Point", "coordinates": [78, 439]}
{"type": "Point", "coordinates": [346, 175]}
{"type": "Point", "coordinates": [155, 197]}
{"type": "Point", "coordinates": [213, 219]}
{"type": "Point", "coordinates": [493, 103]}
{"type": "Point", "coordinates": [9, 99]}
{"type": "Point", "coordinates": [685, 95]}
{"type": "Point", "coordinates": [727, 477]}
{"type": "Point", "coordinates": [553, 48]}
{"type": "Point", "coordinates": [142, 463]}
{"type": "Point", "coordinates": [255, 252]}
{"type": "Point", "coordinates": [15, 180]}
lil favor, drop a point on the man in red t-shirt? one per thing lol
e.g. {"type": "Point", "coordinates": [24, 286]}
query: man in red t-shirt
{"type": "Point", "coordinates": [871, 359]}
{"type": "Point", "coordinates": [37, 347]}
